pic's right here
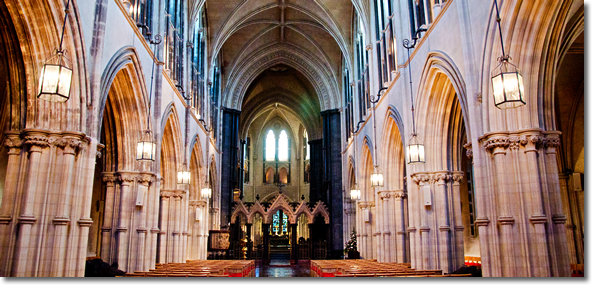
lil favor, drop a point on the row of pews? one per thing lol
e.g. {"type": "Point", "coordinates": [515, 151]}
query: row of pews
{"type": "Point", "coordinates": [370, 268]}
{"type": "Point", "coordinates": [201, 268]}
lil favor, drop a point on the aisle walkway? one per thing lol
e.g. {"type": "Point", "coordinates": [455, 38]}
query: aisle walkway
{"type": "Point", "coordinates": [282, 268]}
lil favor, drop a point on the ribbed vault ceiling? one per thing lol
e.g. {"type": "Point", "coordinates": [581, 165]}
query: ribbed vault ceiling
{"type": "Point", "coordinates": [262, 35]}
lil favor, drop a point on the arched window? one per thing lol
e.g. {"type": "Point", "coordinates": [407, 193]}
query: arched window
{"type": "Point", "coordinates": [270, 176]}
{"type": "Point", "coordinates": [270, 146]}
{"type": "Point", "coordinates": [306, 146]}
{"type": "Point", "coordinates": [283, 146]}
{"type": "Point", "coordinates": [283, 175]}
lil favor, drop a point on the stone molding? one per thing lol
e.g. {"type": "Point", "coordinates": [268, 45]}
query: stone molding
{"type": "Point", "coordinates": [365, 204]}
{"type": "Point", "coordinates": [482, 222]}
{"type": "Point", "coordinates": [506, 220]}
{"type": "Point", "coordinates": [85, 223]}
{"type": "Point", "coordinates": [530, 139]}
{"type": "Point", "coordinates": [469, 148]}
{"type": "Point", "coordinates": [13, 143]}
{"type": "Point", "coordinates": [539, 219]}
{"type": "Point", "coordinates": [559, 219]}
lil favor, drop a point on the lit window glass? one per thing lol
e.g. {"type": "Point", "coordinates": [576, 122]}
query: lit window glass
{"type": "Point", "coordinates": [270, 146]}
{"type": "Point", "coordinates": [283, 146]}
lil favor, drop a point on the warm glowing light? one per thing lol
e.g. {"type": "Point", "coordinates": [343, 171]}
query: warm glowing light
{"type": "Point", "coordinates": [508, 86]}
{"type": "Point", "coordinates": [205, 193]}
{"type": "Point", "coordinates": [55, 79]}
{"type": "Point", "coordinates": [415, 151]}
{"type": "Point", "coordinates": [377, 178]}
{"type": "Point", "coordinates": [184, 176]}
{"type": "Point", "coordinates": [145, 149]}
{"type": "Point", "coordinates": [355, 194]}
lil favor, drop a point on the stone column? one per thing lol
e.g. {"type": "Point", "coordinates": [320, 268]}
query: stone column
{"type": "Point", "coordinates": [177, 216]}
{"type": "Point", "coordinates": [107, 231]}
{"type": "Point", "coordinates": [62, 220]}
{"type": "Point", "coordinates": [141, 230]}
{"type": "Point", "coordinates": [459, 249]}
{"type": "Point", "coordinates": [265, 252]}
{"type": "Point", "coordinates": [499, 145]}
{"type": "Point", "coordinates": [155, 231]}
{"type": "Point", "coordinates": [423, 247]}
{"type": "Point", "coordinates": [7, 210]}
{"type": "Point", "coordinates": [311, 244]}
{"type": "Point", "coordinates": [401, 238]}
{"type": "Point", "coordinates": [163, 234]}
{"type": "Point", "coordinates": [36, 143]}
{"type": "Point", "coordinates": [572, 237]}
{"type": "Point", "coordinates": [554, 200]}
{"type": "Point", "coordinates": [249, 240]}
{"type": "Point", "coordinates": [125, 213]}
{"type": "Point", "coordinates": [386, 227]}
{"type": "Point", "coordinates": [443, 221]}
{"type": "Point", "coordinates": [293, 243]}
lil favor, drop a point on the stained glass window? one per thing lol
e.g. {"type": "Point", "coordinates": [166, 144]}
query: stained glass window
{"type": "Point", "coordinates": [279, 227]}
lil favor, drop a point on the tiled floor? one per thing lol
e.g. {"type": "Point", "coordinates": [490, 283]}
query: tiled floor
{"type": "Point", "coordinates": [282, 268]}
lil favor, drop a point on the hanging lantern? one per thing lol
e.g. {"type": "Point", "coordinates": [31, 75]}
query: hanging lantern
{"type": "Point", "coordinates": [507, 84]}
{"type": "Point", "coordinates": [55, 79]}
{"type": "Point", "coordinates": [415, 151]}
{"type": "Point", "coordinates": [355, 193]}
{"type": "Point", "coordinates": [377, 178]}
{"type": "Point", "coordinates": [205, 193]}
{"type": "Point", "coordinates": [145, 149]}
{"type": "Point", "coordinates": [184, 175]}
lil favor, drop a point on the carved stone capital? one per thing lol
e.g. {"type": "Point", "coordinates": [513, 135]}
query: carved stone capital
{"type": "Point", "coordinates": [126, 178]}
{"type": "Point", "coordinates": [145, 179]}
{"type": "Point", "coordinates": [517, 141]}
{"type": "Point", "coordinates": [441, 178]}
{"type": "Point", "coordinates": [457, 177]}
{"type": "Point", "coordinates": [385, 195]}
{"type": "Point", "coordinates": [109, 178]}
{"type": "Point", "coordinates": [420, 178]}
{"type": "Point", "coordinates": [400, 194]}
{"type": "Point", "coordinates": [495, 143]}
{"type": "Point", "coordinates": [364, 204]}
{"type": "Point", "coordinates": [165, 194]}
{"type": "Point", "coordinates": [36, 142]}
{"type": "Point", "coordinates": [13, 143]}
{"type": "Point", "coordinates": [469, 148]}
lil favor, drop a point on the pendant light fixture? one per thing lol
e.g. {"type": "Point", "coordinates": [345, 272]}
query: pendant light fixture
{"type": "Point", "coordinates": [145, 149]}
{"type": "Point", "coordinates": [415, 148]}
{"type": "Point", "coordinates": [356, 194]}
{"type": "Point", "coordinates": [56, 75]}
{"type": "Point", "coordinates": [376, 178]}
{"type": "Point", "coordinates": [507, 81]}
{"type": "Point", "coordinates": [184, 175]}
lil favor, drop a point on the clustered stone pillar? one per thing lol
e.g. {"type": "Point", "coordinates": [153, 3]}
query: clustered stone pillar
{"type": "Point", "coordinates": [174, 215]}
{"type": "Point", "coordinates": [435, 226]}
{"type": "Point", "coordinates": [530, 227]}
{"type": "Point", "coordinates": [41, 220]}
{"type": "Point", "coordinates": [128, 233]}
{"type": "Point", "coordinates": [364, 228]}
{"type": "Point", "coordinates": [198, 230]}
